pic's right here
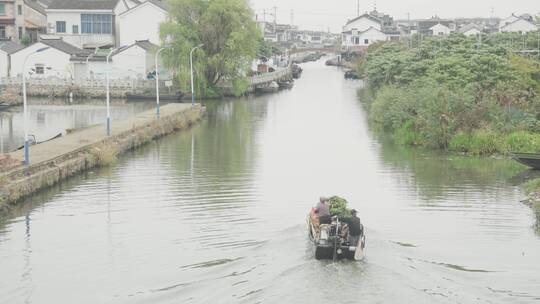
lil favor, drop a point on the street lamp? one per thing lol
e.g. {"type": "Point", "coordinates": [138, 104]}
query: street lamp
{"type": "Point", "coordinates": [88, 58]}
{"type": "Point", "coordinates": [157, 79]}
{"type": "Point", "coordinates": [25, 107]}
{"type": "Point", "coordinates": [108, 94]}
{"type": "Point", "coordinates": [191, 63]}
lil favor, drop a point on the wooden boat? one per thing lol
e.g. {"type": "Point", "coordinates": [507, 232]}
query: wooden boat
{"type": "Point", "coordinates": [331, 240]}
{"type": "Point", "coordinates": [164, 97]}
{"type": "Point", "coordinates": [34, 142]}
{"type": "Point", "coordinates": [528, 159]}
{"type": "Point", "coordinates": [287, 84]}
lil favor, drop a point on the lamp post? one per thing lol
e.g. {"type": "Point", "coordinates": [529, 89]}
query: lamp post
{"type": "Point", "coordinates": [191, 64]}
{"type": "Point", "coordinates": [88, 58]}
{"type": "Point", "coordinates": [25, 107]}
{"type": "Point", "coordinates": [157, 79]}
{"type": "Point", "coordinates": [108, 93]}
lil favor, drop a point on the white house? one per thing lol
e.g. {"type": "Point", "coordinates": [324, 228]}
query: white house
{"type": "Point", "coordinates": [6, 49]}
{"type": "Point", "coordinates": [507, 21]}
{"type": "Point", "coordinates": [355, 38]}
{"type": "Point", "coordinates": [52, 62]}
{"type": "Point", "coordinates": [362, 31]}
{"type": "Point", "coordinates": [519, 25]}
{"type": "Point", "coordinates": [141, 22]}
{"type": "Point", "coordinates": [84, 23]}
{"type": "Point", "coordinates": [133, 62]}
{"type": "Point", "coordinates": [471, 29]}
{"type": "Point", "coordinates": [440, 29]}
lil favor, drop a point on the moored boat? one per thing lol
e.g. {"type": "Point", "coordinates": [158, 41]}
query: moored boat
{"type": "Point", "coordinates": [528, 159]}
{"type": "Point", "coordinates": [164, 97]}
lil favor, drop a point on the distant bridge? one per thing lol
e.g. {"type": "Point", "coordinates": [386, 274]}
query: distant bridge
{"type": "Point", "coordinates": [323, 49]}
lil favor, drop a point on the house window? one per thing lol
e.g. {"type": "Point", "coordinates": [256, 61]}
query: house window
{"type": "Point", "coordinates": [60, 26]}
{"type": "Point", "coordinates": [356, 40]}
{"type": "Point", "coordinates": [2, 9]}
{"type": "Point", "coordinates": [2, 31]}
{"type": "Point", "coordinates": [40, 69]}
{"type": "Point", "coordinates": [96, 24]}
{"type": "Point", "coordinates": [20, 32]}
{"type": "Point", "coordinates": [19, 10]}
{"type": "Point", "coordinates": [366, 41]}
{"type": "Point", "coordinates": [75, 29]}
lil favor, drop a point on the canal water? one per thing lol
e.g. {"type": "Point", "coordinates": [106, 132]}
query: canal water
{"type": "Point", "coordinates": [217, 214]}
{"type": "Point", "coordinates": [49, 118]}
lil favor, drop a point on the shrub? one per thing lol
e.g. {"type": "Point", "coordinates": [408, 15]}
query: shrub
{"type": "Point", "coordinates": [461, 142]}
{"type": "Point", "coordinates": [523, 141]}
{"type": "Point", "coordinates": [484, 142]}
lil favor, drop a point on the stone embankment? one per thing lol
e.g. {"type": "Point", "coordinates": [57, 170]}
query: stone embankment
{"type": "Point", "coordinates": [57, 160]}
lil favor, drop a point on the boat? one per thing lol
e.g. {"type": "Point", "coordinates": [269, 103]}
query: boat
{"type": "Point", "coordinates": [268, 88]}
{"type": "Point", "coordinates": [350, 74]}
{"type": "Point", "coordinates": [164, 97]}
{"type": "Point", "coordinates": [296, 71]}
{"type": "Point", "coordinates": [528, 159]}
{"type": "Point", "coordinates": [286, 84]}
{"type": "Point", "coordinates": [331, 241]}
{"type": "Point", "coordinates": [33, 141]}
{"type": "Point", "coordinates": [4, 105]}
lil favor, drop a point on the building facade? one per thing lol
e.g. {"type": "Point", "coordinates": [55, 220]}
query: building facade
{"type": "Point", "coordinates": [86, 24]}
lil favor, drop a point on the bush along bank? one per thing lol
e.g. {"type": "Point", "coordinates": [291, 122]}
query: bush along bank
{"type": "Point", "coordinates": [455, 93]}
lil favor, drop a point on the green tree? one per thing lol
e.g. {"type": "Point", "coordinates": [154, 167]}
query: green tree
{"type": "Point", "coordinates": [26, 40]}
{"type": "Point", "coordinates": [230, 37]}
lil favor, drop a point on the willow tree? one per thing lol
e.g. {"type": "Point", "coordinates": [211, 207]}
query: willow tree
{"type": "Point", "coordinates": [230, 39]}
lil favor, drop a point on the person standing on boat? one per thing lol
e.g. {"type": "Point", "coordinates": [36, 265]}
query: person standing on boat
{"type": "Point", "coordinates": [356, 229]}
{"type": "Point", "coordinates": [323, 211]}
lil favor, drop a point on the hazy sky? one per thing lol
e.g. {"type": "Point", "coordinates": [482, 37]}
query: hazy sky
{"type": "Point", "coordinates": [324, 14]}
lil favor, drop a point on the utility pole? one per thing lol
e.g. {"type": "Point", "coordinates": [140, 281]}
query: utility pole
{"type": "Point", "coordinates": [357, 7]}
{"type": "Point", "coordinates": [292, 18]}
{"type": "Point", "coordinates": [264, 15]}
{"type": "Point", "coordinates": [275, 16]}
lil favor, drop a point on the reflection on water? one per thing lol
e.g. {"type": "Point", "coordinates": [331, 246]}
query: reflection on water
{"type": "Point", "coordinates": [48, 118]}
{"type": "Point", "coordinates": [217, 215]}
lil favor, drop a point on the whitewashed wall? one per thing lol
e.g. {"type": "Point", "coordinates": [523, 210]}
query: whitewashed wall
{"type": "Point", "coordinates": [131, 63]}
{"type": "Point", "coordinates": [440, 29]}
{"type": "Point", "coordinates": [373, 35]}
{"type": "Point", "coordinates": [57, 61]}
{"type": "Point", "coordinates": [4, 60]}
{"type": "Point", "coordinates": [472, 32]}
{"type": "Point", "coordinates": [74, 18]}
{"type": "Point", "coordinates": [141, 23]}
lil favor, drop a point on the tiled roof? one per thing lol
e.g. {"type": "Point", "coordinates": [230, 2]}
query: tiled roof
{"type": "Point", "coordinates": [35, 6]}
{"type": "Point", "coordinates": [63, 46]}
{"type": "Point", "coordinates": [83, 4]}
{"type": "Point", "coordinates": [146, 45]}
{"type": "Point", "coordinates": [366, 15]}
{"type": "Point", "coordinates": [10, 47]}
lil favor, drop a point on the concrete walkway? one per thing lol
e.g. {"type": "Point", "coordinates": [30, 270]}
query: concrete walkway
{"type": "Point", "coordinates": [58, 159]}
{"type": "Point", "coordinates": [81, 139]}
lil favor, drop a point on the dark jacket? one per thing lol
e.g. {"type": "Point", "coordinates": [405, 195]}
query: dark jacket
{"type": "Point", "coordinates": [355, 227]}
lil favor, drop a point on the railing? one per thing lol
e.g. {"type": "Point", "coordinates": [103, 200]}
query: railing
{"type": "Point", "coordinates": [87, 83]}
{"type": "Point", "coordinates": [268, 77]}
